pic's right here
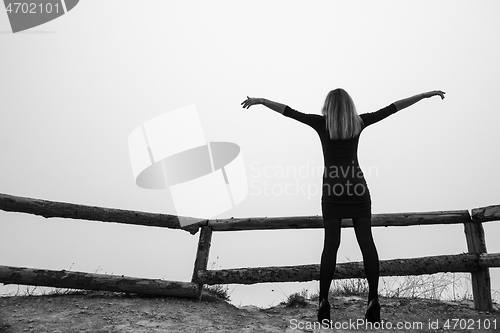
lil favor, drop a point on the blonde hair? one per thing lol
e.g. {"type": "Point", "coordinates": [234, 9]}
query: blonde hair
{"type": "Point", "coordinates": [342, 120]}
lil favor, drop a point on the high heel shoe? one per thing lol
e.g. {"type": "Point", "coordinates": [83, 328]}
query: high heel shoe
{"type": "Point", "coordinates": [324, 310]}
{"type": "Point", "coordinates": [373, 311]}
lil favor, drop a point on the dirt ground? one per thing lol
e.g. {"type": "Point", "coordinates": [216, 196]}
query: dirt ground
{"type": "Point", "coordinates": [112, 312]}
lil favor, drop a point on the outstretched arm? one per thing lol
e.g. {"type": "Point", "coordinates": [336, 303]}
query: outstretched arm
{"type": "Point", "coordinates": [404, 103]}
{"type": "Point", "coordinates": [278, 107]}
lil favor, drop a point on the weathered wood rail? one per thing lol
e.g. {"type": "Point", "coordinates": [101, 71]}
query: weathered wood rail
{"type": "Point", "coordinates": [477, 261]}
{"type": "Point", "coordinates": [78, 280]}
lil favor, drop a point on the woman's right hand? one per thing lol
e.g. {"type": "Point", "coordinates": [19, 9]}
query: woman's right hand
{"type": "Point", "coordinates": [435, 93]}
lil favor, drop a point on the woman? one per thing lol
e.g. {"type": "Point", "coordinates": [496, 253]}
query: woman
{"type": "Point", "coordinates": [345, 192]}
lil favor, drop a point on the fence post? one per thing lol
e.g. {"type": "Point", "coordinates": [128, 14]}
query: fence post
{"type": "Point", "coordinates": [481, 284]}
{"type": "Point", "coordinates": [202, 253]}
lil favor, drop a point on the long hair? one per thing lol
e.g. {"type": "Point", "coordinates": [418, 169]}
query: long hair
{"type": "Point", "coordinates": [342, 120]}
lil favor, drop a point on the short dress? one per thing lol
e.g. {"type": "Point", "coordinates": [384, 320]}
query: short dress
{"type": "Point", "coordinates": [345, 191]}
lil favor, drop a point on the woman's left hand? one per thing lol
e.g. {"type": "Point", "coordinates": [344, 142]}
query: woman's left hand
{"type": "Point", "coordinates": [252, 101]}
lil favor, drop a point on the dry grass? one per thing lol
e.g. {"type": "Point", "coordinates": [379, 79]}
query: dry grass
{"type": "Point", "coordinates": [439, 287]}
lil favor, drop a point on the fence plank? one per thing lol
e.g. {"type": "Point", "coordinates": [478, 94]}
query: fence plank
{"type": "Point", "coordinates": [489, 260]}
{"type": "Point", "coordinates": [396, 267]}
{"type": "Point", "coordinates": [303, 222]}
{"type": "Point", "coordinates": [48, 209]}
{"type": "Point", "coordinates": [202, 254]}
{"type": "Point", "coordinates": [485, 214]}
{"type": "Point", "coordinates": [11, 203]}
{"type": "Point", "coordinates": [88, 281]}
{"type": "Point", "coordinates": [481, 283]}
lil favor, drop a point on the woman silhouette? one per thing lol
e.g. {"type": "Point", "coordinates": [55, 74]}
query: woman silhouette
{"type": "Point", "coordinates": [345, 192]}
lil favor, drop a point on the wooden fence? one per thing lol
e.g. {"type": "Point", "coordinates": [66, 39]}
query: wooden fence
{"type": "Point", "coordinates": [477, 261]}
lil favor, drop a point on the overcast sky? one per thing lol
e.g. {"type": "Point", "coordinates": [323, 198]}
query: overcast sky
{"type": "Point", "coordinates": [73, 89]}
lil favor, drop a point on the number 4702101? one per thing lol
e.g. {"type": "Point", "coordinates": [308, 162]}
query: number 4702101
{"type": "Point", "coordinates": [32, 8]}
{"type": "Point", "coordinates": [470, 324]}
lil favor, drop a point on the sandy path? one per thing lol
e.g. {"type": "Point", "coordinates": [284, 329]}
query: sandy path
{"type": "Point", "coordinates": [101, 312]}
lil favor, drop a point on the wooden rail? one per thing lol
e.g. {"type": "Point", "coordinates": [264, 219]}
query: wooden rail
{"type": "Point", "coordinates": [45, 208]}
{"type": "Point", "coordinates": [316, 222]}
{"type": "Point", "coordinates": [477, 261]}
{"type": "Point", "coordinates": [79, 280]}
{"type": "Point", "coordinates": [465, 262]}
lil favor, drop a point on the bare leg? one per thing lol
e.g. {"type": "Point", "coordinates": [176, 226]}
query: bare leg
{"type": "Point", "coordinates": [362, 228]}
{"type": "Point", "coordinates": [329, 255]}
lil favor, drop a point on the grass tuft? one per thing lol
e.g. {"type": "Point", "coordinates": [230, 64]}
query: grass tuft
{"type": "Point", "coordinates": [216, 292]}
{"type": "Point", "coordinates": [297, 299]}
{"type": "Point", "coordinates": [349, 287]}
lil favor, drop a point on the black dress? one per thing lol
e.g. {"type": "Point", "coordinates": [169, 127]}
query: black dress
{"type": "Point", "coordinates": [345, 192]}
